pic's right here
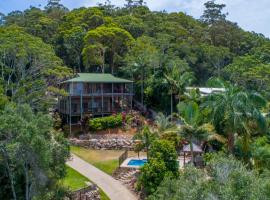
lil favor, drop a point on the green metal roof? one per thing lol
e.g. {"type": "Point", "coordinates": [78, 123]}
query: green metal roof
{"type": "Point", "coordinates": [97, 78]}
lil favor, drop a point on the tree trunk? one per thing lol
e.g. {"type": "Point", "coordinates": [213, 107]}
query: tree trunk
{"type": "Point", "coordinates": [147, 152]}
{"type": "Point", "coordinates": [142, 88]}
{"type": "Point", "coordinates": [103, 60]}
{"type": "Point", "coordinates": [171, 104]}
{"type": "Point", "coordinates": [231, 143]}
{"type": "Point", "coordinates": [246, 148]}
{"type": "Point", "coordinates": [10, 174]}
{"type": "Point", "coordinates": [191, 152]}
{"type": "Point", "coordinates": [27, 194]}
{"type": "Point", "coordinates": [112, 63]}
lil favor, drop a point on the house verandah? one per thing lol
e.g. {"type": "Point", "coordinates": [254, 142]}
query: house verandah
{"type": "Point", "coordinates": [94, 94]}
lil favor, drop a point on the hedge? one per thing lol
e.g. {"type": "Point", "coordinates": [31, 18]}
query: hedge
{"type": "Point", "coordinates": [104, 123]}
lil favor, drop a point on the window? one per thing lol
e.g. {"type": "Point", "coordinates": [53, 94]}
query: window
{"type": "Point", "coordinates": [85, 107]}
{"type": "Point", "coordinates": [74, 107]}
{"type": "Point", "coordinates": [76, 88]}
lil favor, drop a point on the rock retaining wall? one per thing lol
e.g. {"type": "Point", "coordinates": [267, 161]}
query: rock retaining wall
{"type": "Point", "coordinates": [104, 144]}
{"type": "Point", "coordinates": [88, 193]}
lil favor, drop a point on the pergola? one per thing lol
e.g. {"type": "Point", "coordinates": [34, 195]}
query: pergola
{"type": "Point", "coordinates": [196, 150]}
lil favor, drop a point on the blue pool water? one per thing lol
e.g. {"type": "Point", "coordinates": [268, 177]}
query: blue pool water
{"type": "Point", "coordinates": [137, 162]}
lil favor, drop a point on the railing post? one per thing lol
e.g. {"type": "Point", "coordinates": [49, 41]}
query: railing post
{"type": "Point", "coordinates": [102, 100]}
{"type": "Point", "coordinates": [112, 97]}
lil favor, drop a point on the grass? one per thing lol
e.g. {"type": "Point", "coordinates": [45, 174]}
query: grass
{"type": "Point", "coordinates": [103, 196]}
{"type": "Point", "coordinates": [105, 160]}
{"type": "Point", "coordinates": [108, 166]}
{"type": "Point", "coordinates": [75, 181]}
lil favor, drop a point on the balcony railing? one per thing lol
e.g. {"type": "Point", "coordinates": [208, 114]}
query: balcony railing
{"type": "Point", "coordinates": [100, 94]}
{"type": "Point", "coordinates": [92, 111]}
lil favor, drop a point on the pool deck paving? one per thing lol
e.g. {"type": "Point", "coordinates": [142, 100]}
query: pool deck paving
{"type": "Point", "coordinates": [113, 188]}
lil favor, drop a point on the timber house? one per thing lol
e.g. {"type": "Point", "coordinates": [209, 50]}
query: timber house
{"type": "Point", "coordinates": [94, 94]}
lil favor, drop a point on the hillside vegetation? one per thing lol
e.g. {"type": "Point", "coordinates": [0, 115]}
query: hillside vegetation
{"type": "Point", "coordinates": [146, 45]}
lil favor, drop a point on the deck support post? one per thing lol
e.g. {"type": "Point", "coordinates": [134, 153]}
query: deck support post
{"type": "Point", "coordinates": [70, 93]}
{"type": "Point", "coordinates": [132, 89]}
{"type": "Point", "coordinates": [92, 99]}
{"type": "Point", "coordinates": [102, 100]}
{"type": "Point", "coordinates": [122, 96]}
{"type": "Point", "coordinates": [81, 110]}
{"type": "Point", "coordinates": [112, 98]}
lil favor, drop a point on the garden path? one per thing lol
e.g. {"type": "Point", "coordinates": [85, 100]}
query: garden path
{"type": "Point", "coordinates": [113, 188]}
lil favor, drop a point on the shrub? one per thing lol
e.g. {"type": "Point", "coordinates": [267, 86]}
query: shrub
{"type": "Point", "coordinates": [224, 178]}
{"type": "Point", "coordinates": [162, 162]}
{"type": "Point", "coordinates": [165, 150]}
{"type": "Point", "coordinates": [172, 137]}
{"type": "Point", "coordinates": [152, 174]}
{"type": "Point", "coordinates": [104, 123]}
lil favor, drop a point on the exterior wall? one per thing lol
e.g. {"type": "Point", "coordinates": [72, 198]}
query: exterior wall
{"type": "Point", "coordinates": [96, 98]}
{"type": "Point", "coordinates": [88, 89]}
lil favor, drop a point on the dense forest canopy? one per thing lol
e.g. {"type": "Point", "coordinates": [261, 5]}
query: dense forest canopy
{"type": "Point", "coordinates": [142, 45]}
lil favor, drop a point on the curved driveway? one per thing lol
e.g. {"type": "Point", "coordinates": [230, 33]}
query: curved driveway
{"type": "Point", "coordinates": [113, 188]}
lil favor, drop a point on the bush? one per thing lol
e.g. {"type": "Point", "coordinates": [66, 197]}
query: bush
{"type": "Point", "coordinates": [165, 150]}
{"type": "Point", "coordinates": [224, 178]}
{"type": "Point", "coordinates": [162, 162]}
{"type": "Point", "coordinates": [173, 138]}
{"type": "Point", "coordinates": [104, 123]}
{"type": "Point", "coordinates": [152, 174]}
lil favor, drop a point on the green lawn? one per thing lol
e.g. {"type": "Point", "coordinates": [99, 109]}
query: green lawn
{"type": "Point", "coordinates": [105, 160]}
{"type": "Point", "coordinates": [108, 166]}
{"type": "Point", "coordinates": [74, 180]}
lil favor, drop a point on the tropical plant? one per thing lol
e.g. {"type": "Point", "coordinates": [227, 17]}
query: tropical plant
{"type": "Point", "coordinates": [178, 77]}
{"type": "Point", "coordinates": [145, 138]}
{"type": "Point", "coordinates": [172, 137]}
{"type": "Point", "coordinates": [165, 150]}
{"type": "Point", "coordinates": [224, 178]}
{"type": "Point", "coordinates": [103, 123]}
{"type": "Point", "coordinates": [237, 112]}
{"type": "Point", "coordinates": [193, 128]}
{"type": "Point", "coordinates": [163, 123]}
{"type": "Point", "coordinates": [162, 162]}
{"type": "Point", "coordinates": [152, 174]}
{"type": "Point", "coordinates": [260, 152]}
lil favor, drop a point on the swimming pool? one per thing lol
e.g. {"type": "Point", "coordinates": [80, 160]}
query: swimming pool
{"type": "Point", "coordinates": [137, 162]}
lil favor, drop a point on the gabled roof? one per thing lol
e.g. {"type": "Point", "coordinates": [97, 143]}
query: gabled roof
{"type": "Point", "coordinates": [97, 78]}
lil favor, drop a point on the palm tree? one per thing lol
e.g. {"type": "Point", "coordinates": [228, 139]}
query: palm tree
{"type": "Point", "coordinates": [193, 129]}
{"type": "Point", "coordinates": [234, 110]}
{"type": "Point", "coordinates": [178, 77]}
{"type": "Point", "coordinates": [163, 123]}
{"type": "Point", "coordinates": [190, 115]}
{"type": "Point", "coordinates": [145, 137]}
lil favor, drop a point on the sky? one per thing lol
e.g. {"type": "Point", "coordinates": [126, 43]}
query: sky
{"type": "Point", "coordinates": [251, 15]}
